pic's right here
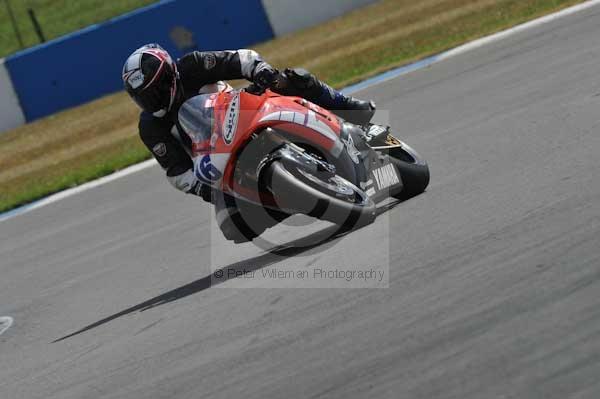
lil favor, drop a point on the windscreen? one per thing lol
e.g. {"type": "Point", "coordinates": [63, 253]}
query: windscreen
{"type": "Point", "coordinates": [196, 117]}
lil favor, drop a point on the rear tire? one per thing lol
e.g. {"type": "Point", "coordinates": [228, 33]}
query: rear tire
{"type": "Point", "coordinates": [415, 179]}
{"type": "Point", "coordinates": [413, 170]}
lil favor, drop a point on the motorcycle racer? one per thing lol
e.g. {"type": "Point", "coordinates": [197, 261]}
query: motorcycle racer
{"type": "Point", "coordinates": [159, 85]}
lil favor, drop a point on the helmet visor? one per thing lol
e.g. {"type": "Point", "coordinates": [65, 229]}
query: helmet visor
{"type": "Point", "coordinates": [157, 94]}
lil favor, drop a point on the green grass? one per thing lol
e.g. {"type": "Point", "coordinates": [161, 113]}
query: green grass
{"type": "Point", "coordinates": [102, 163]}
{"type": "Point", "coordinates": [57, 18]}
{"type": "Point", "coordinates": [98, 138]}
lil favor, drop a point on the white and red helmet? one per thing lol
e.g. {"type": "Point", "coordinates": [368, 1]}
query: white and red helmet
{"type": "Point", "coordinates": [150, 77]}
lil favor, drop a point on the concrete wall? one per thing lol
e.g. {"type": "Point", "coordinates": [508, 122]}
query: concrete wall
{"type": "Point", "coordinates": [287, 16]}
{"type": "Point", "coordinates": [11, 114]}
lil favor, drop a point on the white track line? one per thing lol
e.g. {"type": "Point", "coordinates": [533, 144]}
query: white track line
{"type": "Point", "coordinates": [5, 323]}
{"type": "Point", "coordinates": [352, 89]}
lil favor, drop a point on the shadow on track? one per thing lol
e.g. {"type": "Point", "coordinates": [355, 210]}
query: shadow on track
{"type": "Point", "coordinates": [325, 237]}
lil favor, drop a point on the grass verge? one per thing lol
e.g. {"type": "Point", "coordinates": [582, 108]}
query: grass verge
{"type": "Point", "coordinates": [98, 138]}
{"type": "Point", "coordinates": [56, 18]}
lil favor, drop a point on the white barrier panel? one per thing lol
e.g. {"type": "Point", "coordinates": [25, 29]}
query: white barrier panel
{"type": "Point", "coordinates": [11, 114]}
{"type": "Point", "coordinates": [291, 15]}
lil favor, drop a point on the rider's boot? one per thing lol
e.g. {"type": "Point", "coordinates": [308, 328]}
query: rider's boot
{"type": "Point", "coordinates": [299, 82]}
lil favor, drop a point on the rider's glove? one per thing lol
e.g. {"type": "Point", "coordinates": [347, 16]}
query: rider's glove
{"type": "Point", "coordinates": [189, 183]}
{"type": "Point", "coordinates": [202, 190]}
{"type": "Point", "coordinates": [265, 75]}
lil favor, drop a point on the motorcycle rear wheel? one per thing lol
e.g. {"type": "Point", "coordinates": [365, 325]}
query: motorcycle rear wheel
{"type": "Point", "coordinates": [412, 167]}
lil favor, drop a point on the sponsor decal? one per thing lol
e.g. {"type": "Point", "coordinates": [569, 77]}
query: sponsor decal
{"type": "Point", "coordinates": [210, 61]}
{"type": "Point", "coordinates": [231, 119]}
{"type": "Point", "coordinates": [351, 149]}
{"type": "Point", "coordinates": [206, 172]}
{"type": "Point", "coordinates": [183, 38]}
{"type": "Point", "coordinates": [136, 79]}
{"type": "Point", "coordinates": [160, 149]}
{"type": "Point", "coordinates": [386, 176]}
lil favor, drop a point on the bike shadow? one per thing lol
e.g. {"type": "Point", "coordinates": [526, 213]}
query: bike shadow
{"type": "Point", "coordinates": [321, 239]}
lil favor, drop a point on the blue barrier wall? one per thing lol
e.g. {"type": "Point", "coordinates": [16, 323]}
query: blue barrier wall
{"type": "Point", "coordinates": [86, 65]}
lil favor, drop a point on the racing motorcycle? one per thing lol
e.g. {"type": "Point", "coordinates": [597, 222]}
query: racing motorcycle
{"type": "Point", "coordinates": [268, 156]}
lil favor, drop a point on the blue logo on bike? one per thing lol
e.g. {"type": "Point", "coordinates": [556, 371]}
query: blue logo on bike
{"type": "Point", "coordinates": [206, 172]}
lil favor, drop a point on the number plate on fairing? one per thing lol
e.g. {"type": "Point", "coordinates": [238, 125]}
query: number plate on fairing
{"type": "Point", "coordinates": [209, 168]}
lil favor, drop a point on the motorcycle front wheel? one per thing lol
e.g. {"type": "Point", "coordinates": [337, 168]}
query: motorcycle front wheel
{"type": "Point", "coordinates": [322, 195]}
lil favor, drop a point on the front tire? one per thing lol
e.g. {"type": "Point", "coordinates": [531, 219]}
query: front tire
{"type": "Point", "coordinates": [334, 199]}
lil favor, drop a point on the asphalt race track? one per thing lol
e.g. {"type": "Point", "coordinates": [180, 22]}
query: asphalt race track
{"type": "Point", "coordinates": [494, 272]}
